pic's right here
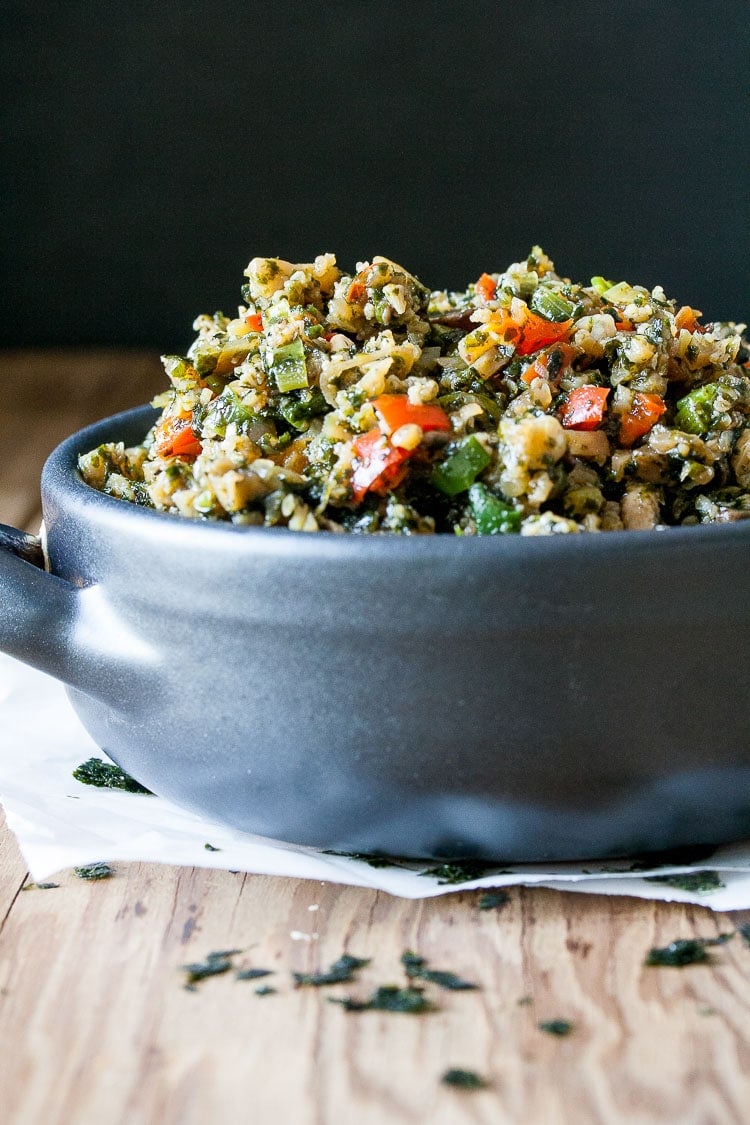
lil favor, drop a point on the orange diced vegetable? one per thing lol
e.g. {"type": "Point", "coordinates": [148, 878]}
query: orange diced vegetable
{"type": "Point", "coordinates": [357, 294]}
{"type": "Point", "coordinates": [486, 287]}
{"type": "Point", "coordinates": [584, 408]}
{"type": "Point", "coordinates": [688, 318]}
{"type": "Point", "coordinates": [396, 410]}
{"type": "Point", "coordinates": [254, 321]}
{"type": "Point", "coordinates": [645, 410]}
{"type": "Point", "coordinates": [175, 437]}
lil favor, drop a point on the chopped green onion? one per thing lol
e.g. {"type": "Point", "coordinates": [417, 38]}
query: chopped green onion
{"type": "Point", "coordinates": [491, 515]}
{"type": "Point", "coordinates": [288, 367]}
{"type": "Point", "coordinates": [461, 468]}
{"type": "Point", "coordinates": [551, 305]}
{"type": "Point", "coordinates": [180, 372]}
{"type": "Point", "coordinates": [228, 408]}
{"type": "Point", "coordinates": [457, 399]}
{"type": "Point", "coordinates": [206, 358]}
{"type": "Point", "coordinates": [695, 412]}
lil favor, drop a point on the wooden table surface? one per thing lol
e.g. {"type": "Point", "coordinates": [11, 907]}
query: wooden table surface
{"type": "Point", "coordinates": [96, 1026]}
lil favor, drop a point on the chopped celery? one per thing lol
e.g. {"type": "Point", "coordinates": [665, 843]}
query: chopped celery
{"type": "Point", "coordinates": [461, 468]}
{"type": "Point", "coordinates": [695, 412]}
{"type": "Point", "coordinates": [551, 305]}
{"type": "Point", "coordinates": [491, 515]}
{"type": "Point", "coordinates": [288, 367]}
{"type": "Point", "coordinates": [601, 285]}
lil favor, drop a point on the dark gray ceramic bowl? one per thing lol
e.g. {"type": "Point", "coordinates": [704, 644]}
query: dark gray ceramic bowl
{"type": "Point", "coordinates": [507, 698]}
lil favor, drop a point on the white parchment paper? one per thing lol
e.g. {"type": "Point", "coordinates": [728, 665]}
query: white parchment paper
{"type": "Point", "coordinates": [60, 823]}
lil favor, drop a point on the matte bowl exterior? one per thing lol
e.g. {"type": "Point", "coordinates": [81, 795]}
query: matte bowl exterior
{"type": "Point", "coordinates": [510, 698]}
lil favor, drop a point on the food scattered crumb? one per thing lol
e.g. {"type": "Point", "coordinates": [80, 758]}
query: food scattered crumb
{"type": "Point", "coordinates": [464, 1079]}
{"type": "Point", "coordinates": [388, 998]}
{"type": "Point", "coordinates": [94, 871]}
{"type": "Point", "coordinates": [341, 972]}
{"type": "Point", "coordinates": [685, 951]}
{"type": "Point", "coordinates": [494, 900]}
{"type": "Point", "coordinates": [106, 775]}
{"type": "Point", "coordinates": [556, 1027]}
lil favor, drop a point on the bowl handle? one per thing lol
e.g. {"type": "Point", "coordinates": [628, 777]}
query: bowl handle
{"type": "Point", "coordinates": [38, 611]}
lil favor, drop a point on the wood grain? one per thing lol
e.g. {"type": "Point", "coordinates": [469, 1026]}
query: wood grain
{"type": "Point", "coordinates": [96, 1026]}
{"type": "Point", "coordinates": [47, 395]}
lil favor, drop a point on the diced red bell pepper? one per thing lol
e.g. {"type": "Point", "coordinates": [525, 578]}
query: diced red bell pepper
{"type": "Point", "coordinates": [526, 330]}
{"type": "Point", "coordinates": [536, 333]}
{"type": "Point", "coordinates": [584, 408]}
{"type": "Point", "coordinates": [175, 437]}
{"type": "Point", "coordinates": [396, 410]}
{"type": "Point", "coordinates": [645, 410]}
{"type": "Point", "coordinates": [486, 288]}
{"type": "Point", "coordinates": [379, 466]}
{"type": "Point", "coordinates": [254, 321]}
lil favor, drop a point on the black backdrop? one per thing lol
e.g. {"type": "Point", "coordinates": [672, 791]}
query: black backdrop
{"type": "Point", "coordinates": [148, 151]}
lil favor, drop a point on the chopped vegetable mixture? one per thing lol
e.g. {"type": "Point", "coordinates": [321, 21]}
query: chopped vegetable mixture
{"type": "Point", "coordinates": [526, 404]}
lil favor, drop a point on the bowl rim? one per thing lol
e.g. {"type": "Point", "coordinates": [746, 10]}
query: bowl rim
{"type": "Point", "coordinates": [61, 475]}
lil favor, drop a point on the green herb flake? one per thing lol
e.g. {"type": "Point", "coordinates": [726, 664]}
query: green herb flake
{"type": "Point", "coordinates": [494, 900]}
{"type": "Point", "coordinates": [450, 874]}
{"type": "Point", "coordinates": [697, 882]}
{"type": "Point", "coordinates": [464, 1079]}
{"type": "Point", "coordinates": [556, 1027]}
{"type": "Point", "coordinates": [340, 972]}
{"type": "Point", "coordinates": [685, 951]}
{"type": "Point", "coordinates": [388, 998]}
{"type": "Point", "coordinates": [211, 848]}
{"type": "Point", "coordinates": [218, 962]}
{"type": "Point", "coordinates": [744, 932]}
{"type": "Point", "coordinates": [106, 775]}
{"type": "Point", "coordinates": [416, 969]}
{"type": "Point", "coordinates": [40, 887]}
{"type": "Point", "coordinates": [252, 974]}
{"type": "Point", "coordinates": [365, 857]}
{"type": "Point", "coordinates": [94, 871]}
{"type": "Point", "coordinates": [265, 990]}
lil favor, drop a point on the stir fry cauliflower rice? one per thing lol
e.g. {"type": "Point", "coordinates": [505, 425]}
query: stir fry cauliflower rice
{"type": "Point", "coordinates": [526, 404]}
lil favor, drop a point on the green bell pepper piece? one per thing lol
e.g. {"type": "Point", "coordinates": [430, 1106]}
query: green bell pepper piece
{"type": "Point", "coordinates": [491, 515]}
{"type": "Point", "coordinates": [461, 468]}
{"type": "Point", "coordinates": [288, 367]}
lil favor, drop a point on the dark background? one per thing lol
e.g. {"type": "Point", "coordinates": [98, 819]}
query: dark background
{"type": "Point", "coordinates": [149, 152]}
